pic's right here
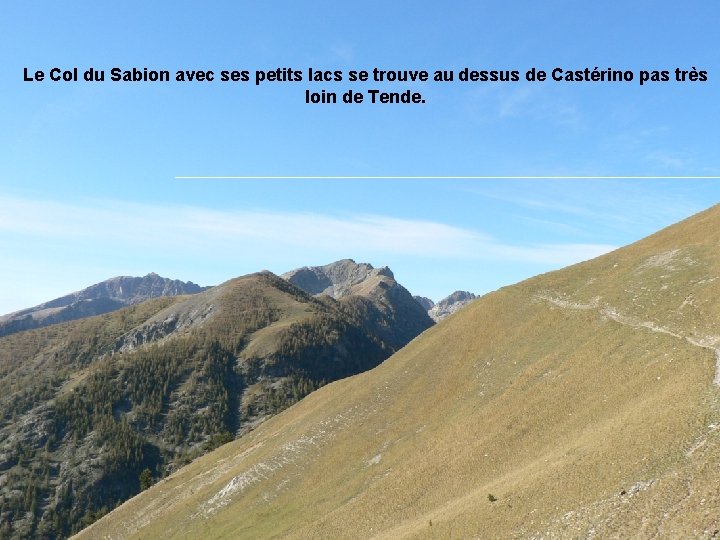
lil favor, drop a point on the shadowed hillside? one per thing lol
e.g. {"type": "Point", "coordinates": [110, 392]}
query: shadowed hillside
{"type": "Point", "coordinates": [580, 403]}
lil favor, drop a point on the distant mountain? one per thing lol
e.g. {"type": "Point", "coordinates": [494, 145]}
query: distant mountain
{"type": "Point", "coordinates": [425, 302]}
{"type": "Point", "coordinates": [401, 315]}
{"type": "Point", "coordinates": [449, 305]}
{"type": "Point", "coordinates": [87, 405]}
{"type": "Point", "coordinates": [446, 306]}
{"type": "Point", "coordinates": [581, 403]}
{"type": "Point", "coordinates": [97, 299]}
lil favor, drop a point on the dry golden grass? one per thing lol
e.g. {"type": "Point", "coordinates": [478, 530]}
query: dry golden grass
{"type": "Point", "coordinates": [582, 400]}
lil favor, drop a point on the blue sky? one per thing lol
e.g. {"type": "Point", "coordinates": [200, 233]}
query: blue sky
{"type": "Point", "coordinates": [87, 171]}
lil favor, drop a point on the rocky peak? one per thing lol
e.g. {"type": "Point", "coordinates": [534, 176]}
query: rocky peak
{"type": "Point", "coordinates": [337, 279]}
{"type": "Point", "coordinates": [399, 317]}
{"type": "Point", "coordinates": [450, 304]}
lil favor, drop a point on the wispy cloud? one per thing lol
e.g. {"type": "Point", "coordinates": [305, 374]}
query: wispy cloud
{"type": "Point", "coordinates": [343, 52]}
{"type": "Point", "coordinates": [667, 160]}
{"type": "Point", "coordinates": [594, 206]}
{"type": "Point", "coordinates": [101, 224]}
{"type": "Point", "coordinates": [540, 104]}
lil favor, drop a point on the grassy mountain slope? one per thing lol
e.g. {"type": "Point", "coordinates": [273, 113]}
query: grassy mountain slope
{"type": "Point", "coordinates": [86, 406]}
{"type": "Point", "coordinates": [581, 401]}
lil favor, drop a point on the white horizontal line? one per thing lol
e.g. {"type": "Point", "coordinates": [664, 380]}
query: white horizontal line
{"type": "Point", "coordinates": [447, 177]}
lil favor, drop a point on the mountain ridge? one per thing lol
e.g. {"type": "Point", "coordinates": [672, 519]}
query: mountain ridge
{"type": "Point", "coordinates": [103, 297]}
{"type": "Point", "coordinates": [580, 402]}
{"type": "Point", "coordinates": [87, 406]}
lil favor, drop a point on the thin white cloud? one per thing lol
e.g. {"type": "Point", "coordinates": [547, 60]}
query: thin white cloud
{"type": "Point", "coordinates": [600, 205]}
{"type": "Point", "coordinates": [128, 227]}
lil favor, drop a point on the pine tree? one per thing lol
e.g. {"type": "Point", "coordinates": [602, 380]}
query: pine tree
{"type": "Point", "coordinates": [146, 479]}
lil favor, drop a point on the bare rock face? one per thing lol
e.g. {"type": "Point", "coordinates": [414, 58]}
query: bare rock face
{"type": "Point", "coordinates": [97, 299]}
{"type": "Point", "coordinates": [449, 305]}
